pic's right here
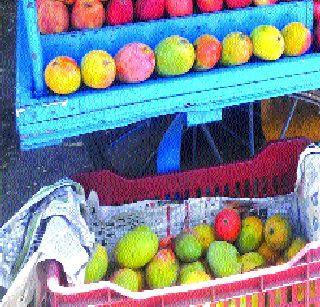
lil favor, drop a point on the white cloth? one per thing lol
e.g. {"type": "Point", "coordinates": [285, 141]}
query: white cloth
{"type": "Point", "coordinates": [51, 227]}
{"type": "Point", "coordinates": [308, 191]}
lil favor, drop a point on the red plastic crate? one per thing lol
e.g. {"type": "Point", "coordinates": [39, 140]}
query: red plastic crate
{"type": "Point", "coordinates": [271, 172]}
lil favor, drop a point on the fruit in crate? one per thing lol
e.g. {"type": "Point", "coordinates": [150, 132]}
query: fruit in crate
{"type": "Point", "coordinates": [297, 39]}
{"type": "Point", "coordinates": [126, 278]}
{"type": "Point", "coordinates": [264, 2]}
{"type": "Point", "coordinates": [162, 271]}
{"type": "Point", "coordinates": [316, 11]}
{"type": "Point", "coordinates": [195, 277]}
{"type": "Point", "coordinates": [141, 279]}
{"type": "Point", "coordinates": [205, 235]}
{"type": "Point", "coordinates": [68, 2]}
{"type": "Point", "coordinates": [250, 235]}
{"type": "Point", "coordinates": [176, 8]}
{"type": "Point", "coordinates": [97, 266]}
{"type": "Point", "coordinates": [251, 261]}
{"type": "Point", "coordinates": [87, 14]}
{"type": "Point", "coordinates": [227, 225]}
{"type": "Point", "coordinates": [207, 6]}
{"type": "Point", "coordinates": [119, 12]}
{"type": "Point", "coordinates": [98, 69]}
{"type": "Point", "coordinates": [135, 62]}
{"type": "Point", "coordinates": [174, 56]}
{"type": "Point", "coordinates": [268, 43]}
{"type": "Point", "coordinates": [243, 302]}
{"type": "Point", "coordinates": [208, 52]}
{"type": "Point", "coordinates": [136, 248]}
{"type": "Point", "coordinates": [236, 49]}
{"type": "Point", "coordinates": [53, 17]}
{"type": "Point", "coordinates": [149, 9]}
{"type": "Point", "coordinates": [62, 75]}
{"type": "Point", "coordinates": [187, 247]}
{"type": "Point", "coordinates": [278, 232]}
{"type": "Point", "coordinates": [223, 259]}
{"type": "Point", "coordinates": [301, 290]}
{"type": "Point", "coordinates": [281, 260]}
{"type": "Point", "coordinates": [296, 246]}
{"type": "Point", "coordinates": [270, 255]}
{"type": "Point", "coordinates": [317, 35]}
{"type": "Point", "coordinates": [190, 267]}
{"type": "Point", "coordinates": [235, 4]}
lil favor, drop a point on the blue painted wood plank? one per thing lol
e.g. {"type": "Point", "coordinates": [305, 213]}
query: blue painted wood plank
{"type": "Point", "coordinates": [35, 49]}
{"type": "Point", "coordinates": [234, 79]}
{"type": "Point", "coordinates": [168, 155]}
{"type": "Point", "coordinates": [102, 120]}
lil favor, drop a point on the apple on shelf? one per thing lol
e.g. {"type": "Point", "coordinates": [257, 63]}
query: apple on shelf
{"type": "Point", "coordinates": [53, 17]}
{"type": "Point", "coordinates": [316, 10]}
{"type": "Point", "coordinates": [236, 4]}
{"type": "Point", "coordinates": [207, 6]}
{"type": "Point", "coordinates": [177, 8]}
{"type": "Point", "coordinates": [87, 14]}
{"type": "Point", "coordinates": [149, 9]}
{"type": "Point", "coordinates": [119, 12]}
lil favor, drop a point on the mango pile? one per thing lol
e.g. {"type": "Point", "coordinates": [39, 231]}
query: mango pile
{"type": "Point", "coordinates": [174, 56]}
{"type": "Point", "coordinates": [229, 246]}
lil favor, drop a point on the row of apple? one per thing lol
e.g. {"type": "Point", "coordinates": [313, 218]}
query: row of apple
{"type": "Point", "coordinates": [54, 17]}
{"type": "Point", "coordinates": [175, 55]}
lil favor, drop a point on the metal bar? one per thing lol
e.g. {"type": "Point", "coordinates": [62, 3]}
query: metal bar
{"type": "Point", "coordinates": [147, 164]}
{"type": "Point", "coordinates": [211, 142]}
{"type": "Point", "coordinates": [289, 118]}
{"type": "Point", "coordinates": [125, 135]}
{"type": "Point", "coordinates": [194, 145]}
{"type": "Point", "coordinates": [33, 34]}
{"type": "Point", "coordinates": [310, 99]}
{"type": "Point", "coordinates": [235, 135]}
{"type": "Point", "coordinates": [251, 129]}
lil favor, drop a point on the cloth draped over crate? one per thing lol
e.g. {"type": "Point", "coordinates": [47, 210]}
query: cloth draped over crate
{"type": "Point", "coordinates": [308, 190]}
{"type": "Point", "coordinates": [49, 226]}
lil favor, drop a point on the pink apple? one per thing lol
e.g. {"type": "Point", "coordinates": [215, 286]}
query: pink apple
{"type": "Point", "coordinates": [53, 17]}
{"type": "Point", "coordinates": [177, 8]}
{"type": "Point", "coordinates": [316, 11]}
{"type": "Point", "coordinates": [206, 6]}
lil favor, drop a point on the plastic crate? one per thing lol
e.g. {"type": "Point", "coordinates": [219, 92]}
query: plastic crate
{"type": "Point", "coordinates": [44, 119]}
{"type": "Point", "coordinates": [278, 160]}
{"type": "Point", "coordinates": [271, 172]}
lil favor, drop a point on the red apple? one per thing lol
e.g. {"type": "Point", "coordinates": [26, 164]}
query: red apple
{"type": "Point", "coordinates": [87, 14]}
{"type": "Point", "coordinates": [53, 17]}
{"type": "Point", "coordinates": [227, 225]}
{"type": "Point", "coordinates": [177, 8]}
{"type": "Point", "coordinates": [149, 9]}
{"type": "Point", "coordinates": [207, 6]}
{"type": "Point", "coordinates": [316, 11]}
{"type": "Point", "coordinates": [119, 12]}
{"type": "Point", "coordinates": [234, 4]}
{"type": "Point", "coordinates": [317, 35]}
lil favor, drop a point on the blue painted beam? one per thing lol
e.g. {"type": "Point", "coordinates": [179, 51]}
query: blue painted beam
{"type": "Point", "coordinates": [169, 150]}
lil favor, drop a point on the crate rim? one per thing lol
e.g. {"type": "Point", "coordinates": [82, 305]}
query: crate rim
{"type": "Point", "coordinates": [251, 160]}
{"type": "Point", "coordinates": [55, 287]}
